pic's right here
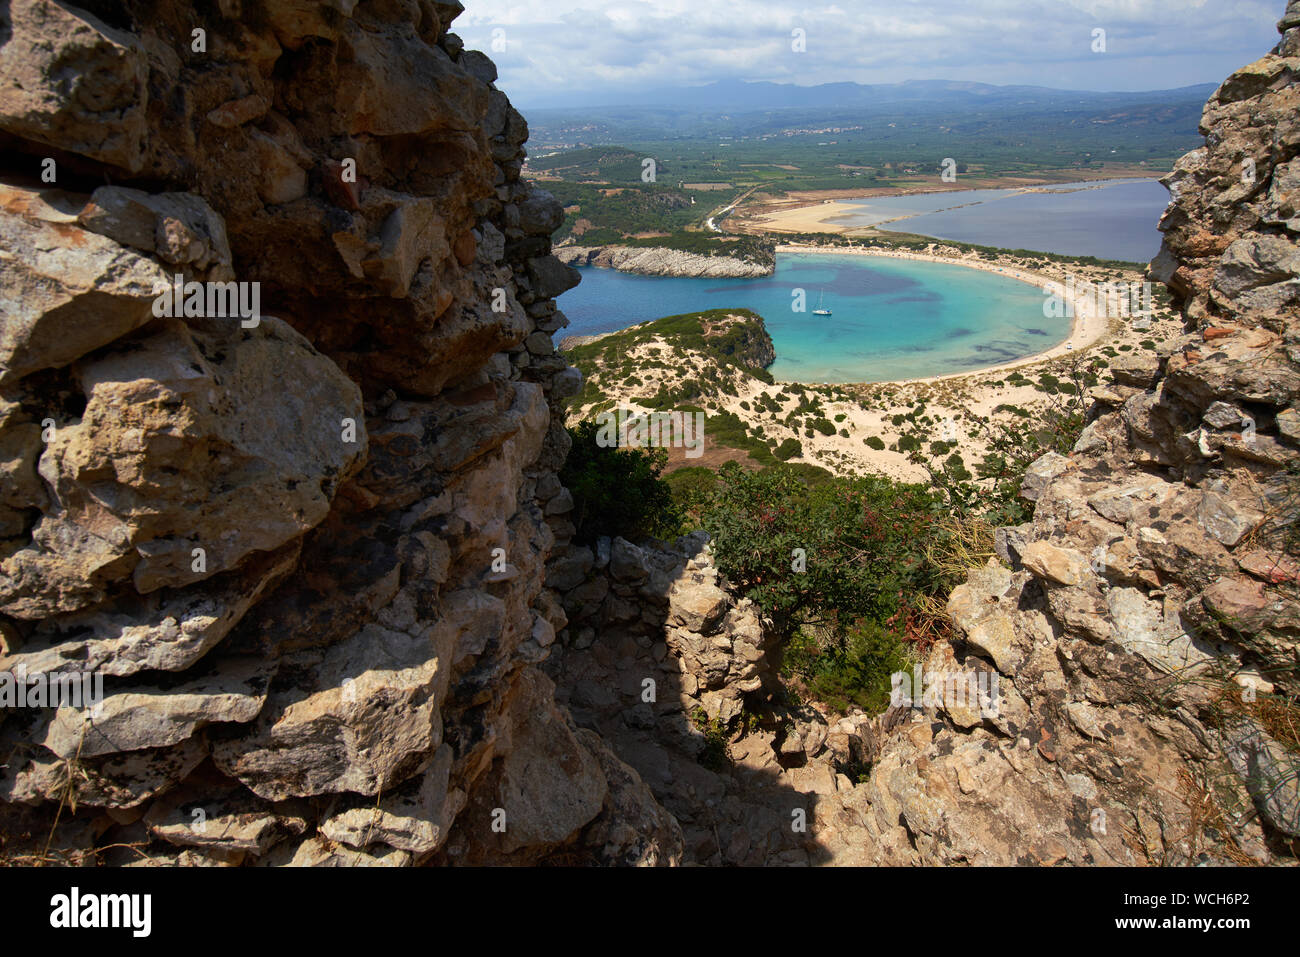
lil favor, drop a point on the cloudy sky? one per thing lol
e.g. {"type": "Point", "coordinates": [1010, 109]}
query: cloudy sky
{"type": "Point", "coordinates": [545, 49]}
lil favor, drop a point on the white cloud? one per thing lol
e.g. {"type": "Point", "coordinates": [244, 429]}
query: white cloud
{"type": "Point", "coordinates": [556, 47]}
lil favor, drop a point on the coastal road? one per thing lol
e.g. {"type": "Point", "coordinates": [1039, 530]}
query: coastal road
{"type": "Point", "coordinates": [709, 224]}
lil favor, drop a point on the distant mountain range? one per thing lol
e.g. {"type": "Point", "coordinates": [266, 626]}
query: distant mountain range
{"type": "Point", "coordinates": [738, 96]}
{"type": "Point", "coordinates": [874, 123]}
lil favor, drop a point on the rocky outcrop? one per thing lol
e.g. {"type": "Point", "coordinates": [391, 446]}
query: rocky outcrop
{"type": "Point", "coordinates": [295, 519]}
{"type": "Point", "coordinates": [1152, 598]}
{"type": "Point", "coordinates": [668, 600]}
{"type": "Point", "coordinates": [660, 261]}
{"type": "Point", "coordinates": [718, 354]}
{"type": "Point", "coordinates": [659, 659]}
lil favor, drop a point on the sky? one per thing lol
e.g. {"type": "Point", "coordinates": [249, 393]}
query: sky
{"type": "Point", "coordinates": [547, 50]}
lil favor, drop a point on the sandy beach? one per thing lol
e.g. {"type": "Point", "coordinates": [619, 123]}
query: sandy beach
{"type": "Point", "coordinates": [821, 217]}
{"type": "Point", "coordinates": [807, 219]}
{"type": "Point", "coordinates": [959, 403]}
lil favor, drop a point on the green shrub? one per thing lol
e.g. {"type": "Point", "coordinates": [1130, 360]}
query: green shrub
{"type": "Point", "coordinates": [617, 491]}
{"type": "Point", "coordinates": [858, 673]}
{"type": "Point", "coordinates": [714, 754]}
{"type": "Point", "coordinates": [691, 487]}
{"type": "Point", "coordinates": [861, 543]}
{"type": "Point", "coordinates": [789, 449]}
{"type": "Point", "coordinates": [727, 428]}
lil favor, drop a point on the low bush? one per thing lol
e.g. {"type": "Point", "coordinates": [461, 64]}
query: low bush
{"type": "Point", "coordinates": [617, 491]}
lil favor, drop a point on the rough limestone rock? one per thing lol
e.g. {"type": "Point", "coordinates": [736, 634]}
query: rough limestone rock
{"type": "Point", "coordinates": [188, 441]}
{"type": "Point", "coordinates": [69, 81]}
{"type": "Point", "coordinates": [299, 518]}
{"type": "Point", "coordinates": [180, 228]}
{"type": "Point", "coordinates": [137, 720]}
{"type": "Point", "coordinates": [1156, 567]}
{"type": "Point", "coordinates": [169, 635]}
{"type": "Point", "coordinates": [66, 292]}
{"type": "Point", "coordinates": [369, 717]}
{"type": "Point", "coordinates": [413, 819]}
{"type": "Point", "coordinates": [659, 261]}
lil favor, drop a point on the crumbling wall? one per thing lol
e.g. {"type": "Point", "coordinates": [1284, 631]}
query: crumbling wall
{"type": "Point", "coordinates": [302, 545]}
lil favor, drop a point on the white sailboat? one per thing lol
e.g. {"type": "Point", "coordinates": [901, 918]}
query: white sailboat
{"type": "Point", "coordinates": [819, 311]}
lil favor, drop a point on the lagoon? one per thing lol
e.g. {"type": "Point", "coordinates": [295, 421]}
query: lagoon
{"type": "Point", "coordinates": [892, 318]}
{"type": "Point", "coordinates": [1109, 219]}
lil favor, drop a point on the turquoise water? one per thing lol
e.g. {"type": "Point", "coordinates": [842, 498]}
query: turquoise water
{"type": "Point", "coordinates": [1117, 220]}
{"type": "Point", "coordinates": [892, 319]}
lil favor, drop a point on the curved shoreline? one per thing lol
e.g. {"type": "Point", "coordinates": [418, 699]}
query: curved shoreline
{"type": "Point", "coordinates": [1085, 330]}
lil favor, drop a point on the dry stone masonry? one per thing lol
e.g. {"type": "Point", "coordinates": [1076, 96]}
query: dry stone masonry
{"type": "Point", "coordinates": [300, 533]}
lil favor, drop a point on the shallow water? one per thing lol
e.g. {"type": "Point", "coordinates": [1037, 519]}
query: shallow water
{"type": "Point", "coordinates": [892, 319]}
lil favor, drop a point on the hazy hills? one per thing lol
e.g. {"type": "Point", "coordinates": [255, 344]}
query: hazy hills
{"type": "Point", "coordinates": [1026, 122]}
{"type": "Point", "coordinates": [739, 96]}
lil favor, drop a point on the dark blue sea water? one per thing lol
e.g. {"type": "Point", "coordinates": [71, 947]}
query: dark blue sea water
{"type": "Point", "coordinates": [891, 319]}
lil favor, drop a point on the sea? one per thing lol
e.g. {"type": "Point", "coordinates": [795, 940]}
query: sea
{"type": "Point", "coordinates": [890, 318]}
{"type": "Point", "coordinates": [901, 319]}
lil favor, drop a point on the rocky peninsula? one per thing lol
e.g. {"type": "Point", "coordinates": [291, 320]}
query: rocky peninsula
{"type": "Point", "coordinates": [660, 261]}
